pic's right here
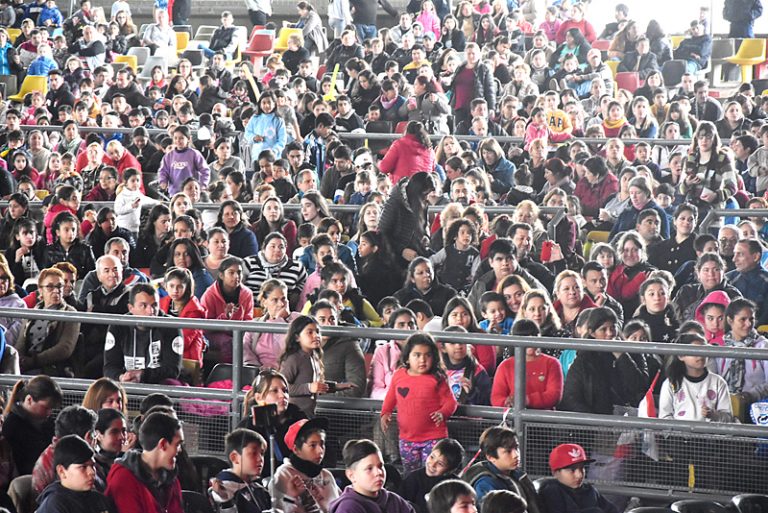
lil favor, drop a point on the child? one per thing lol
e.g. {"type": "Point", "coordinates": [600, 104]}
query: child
{"type": "Point", "coordinates": [237, 489]}
{"type": "Point", "coordinates": [284, 188]}
{"type": "Point", "coordinates": [420, 392]}
{"type": "Point", "coordinates": [500, 469]}
{"type": "Point", "coordinates": [657, 311]}
{"type": "Point", "coordinates": [711, 314]}
{"type": "Point", "coordinates": [386, 307]}
{"type": "Point", "coordinates": [302, 363]}
{"type": "Point", "coordinates": [504, 501]}
{"type": "Point", "coordinates": [50, 16]}
{"type": "Point", "coordinates": [363, 187]}
{"type": "Point", "coordinates": [459, 259]}
{"type": "Point", "coordinates": [538, 128]}
{"type": "Point", "coordinates": [365, 470]}
{"type": "Point", "coordinates": [26, 255]}
{"type": "Point", "coordinates": [74, 491]}
{"type": "Point", "coordinates": [443, 463]}
{"type": "Point", "coordinates": [690, 391]}
{"type": "Point", "coordinates": [467, 378]}
{"type": "Point", "coordinates": [129, 202]}
{"type": "Point", "coordinates": [498, 318]}
{"type": "Point", "coordinates": [305, 234]}
{"type": "Point", "coordinates": [68, 247]}
{"type": "Point", "coordinates": [301, 484]}
{"type": "Point", "coordinates": [29, 426]}
{"type": "Point", "coordinates": [569, 492]}
{"type": "Point", "coordinates": [263, 349]}
{"type": "Point", "coordinates": [452, 495]}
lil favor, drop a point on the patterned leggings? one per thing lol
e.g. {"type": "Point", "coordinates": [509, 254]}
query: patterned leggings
{"type": "Point", "coordinates": [414, 454]}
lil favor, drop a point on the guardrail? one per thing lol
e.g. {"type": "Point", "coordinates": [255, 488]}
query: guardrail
{"type": "Point", "coordinates": [713, 215]}
{"type": "Point", "coordinates": [533, 424]}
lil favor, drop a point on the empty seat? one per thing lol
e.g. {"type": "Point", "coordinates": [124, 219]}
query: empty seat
{"type": "Point", "coordinates": [141, 53]}
{"type": "Point", "coordinates": [30, 85]}
{"type": "Point", "coordinates": [673, 72]}
{"type": "Point", "coordinates": [129, 60]}
{"type": "Point", "coordinates": [11, 85]}
{"type": "Point", "coordinates": [750, 53]}
{"type": "Point", "coordinates": [259, 46]}
{"type": "Point", "coordinates": [204, 32]}
{"type": "Point", "coordinates": [13, 33]}
{"type": "Point", "coordinates": [721, 48]}
{"type": "Point", "coordinates": [629, 80]}
{"type": "Point", "coordinates": [152, 61]}
{"type": "Point", "coordinates": [697, 506]}
{"type": "Point", "coordinates": [751, 503]}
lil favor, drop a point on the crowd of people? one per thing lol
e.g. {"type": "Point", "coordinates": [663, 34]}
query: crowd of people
{"type": "Point", "coordinates": [199, 227]}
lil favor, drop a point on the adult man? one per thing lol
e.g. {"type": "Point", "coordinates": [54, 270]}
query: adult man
{"type": "Point", "coordinates": [58, 91]}
{"type": "Point", "coordinates": [503, 263]}
{"type": "Point", "coordinates": [364, 14]}
{"type": "Point", "coordinates": [670, 254]}
{"type": "Point", "coordinates": [642, 60]}
{"type": "Point", "coordinates": [145, 480]}
{"type": "Point", "coordinates": [728, 237]}
{"type": "Point", "coordinates": [136, 354]}
{"type": "Point", "coordinates": [704, 107]}
{"type": "Point", "coordinates": [696, 49]}
{"type": "Point", "coordinates": [749, 276]}
{"type": "Point", "coordinates": [595, 278]}
{"type": "Point", "coordinates": [220, 72]}
{"type": "Point", "coordinates": [522, 238]}
{"type": "Point", "coordinates": [742, 15]}
{"type": "Point", "coordinates": [479, 109]}
{"type": "Point", "coordinates": [125, 84]}
{"type": "Point", "coordinates": [224, 38]}
{"type": "Point", "coordinates": [620, 13]}
{"type": "Point", "coordinates": [647, 225]}
{"type": "Point", "coordinates": [743, 147]}
{"type": "Point", "coordinates": [90, 48]}
{"type": "Point", "coordinates": [403, 27]}
{"type": "Point", "coordinates": [111, 296]}
{"type": "Point", "coordinates": [343, 360]}
{"type": "Point", "coordinates": [148, 155]}
{"type": "Point", "coordinates": [120, 249]}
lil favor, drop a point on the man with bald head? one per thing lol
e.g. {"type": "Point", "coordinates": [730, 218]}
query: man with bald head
{"type": "Point", "coordinates": [727, 238]}
{"type": "Point", "coordinates": [110, 296]}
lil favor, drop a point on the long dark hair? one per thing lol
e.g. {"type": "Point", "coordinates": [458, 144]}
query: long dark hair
{"type": "Point", "coordinates": [261, 227]}
{"type": "Point", "coordinates": [416, 129]}
{"type": "Point", "coordinates": [292, 344]}
{"type": "Point", "coordinates": [459, 301]}
{"type": "Point", "coordinates": [194, 253]}
{"type": "Point", "coordinates": [424, 339]}
{"type": "Point", "coordinates": [148, 230]}
{"type": "Point", "coordinates": [236, 206]}
{"type": "Point", "coordinates": [675, 368]}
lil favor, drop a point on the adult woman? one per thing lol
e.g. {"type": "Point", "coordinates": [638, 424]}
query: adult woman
{"type": "Point", "coordinates": [485, 31]}
{"type": "Point", "coordinates": [152, 235]}
{"type": "Point", "coordinates": [184, 254]}
{"type": "Point", "coordinates": [575, 44]}
{"type": "Point", "coordinates": [660, 45]}
{"type": "Point", "coordinates": [447, 147]}
{"type": "Point", "coordinates": [409, 154]}
{"type": "Point", "coordinates": [537, 307]}
{"type": "Point", "coordinates": [403, 222]}
{"type": "Point", "coordinates": [421, 283]}
{"type": "Point", "coordinates": [265, 130]}
{"type": "Point", "coordinates": [451, 36]}
{"type": "Point", "coordinates": [218, 250]}
{"type": "Point", "coordinates": [626, 278]}
{"type": "Point", "coordinates": [642, 120]}
{"type": "Point", "coordinates": [238, 186]}
{"type": "Point", "coordinates": [576, 20]}
{"type": "Point", "coordinates": [513, 288]}
{"type": "Point", "coordinates": [500, 170]}
{"type": "Point", "coordinates": [9, 299]}
{"type": "Point", "coordinates": [314, 208]}
{"type": "Point", "coordinates": [557, 176]}
{"type": "Point", "coordinates": [597, 381]}
{"type": "Point", "coordinates": [368, 220]}
{"type": "Point", "coordinates": [746, 377]}
{"type": "Point", "coordinates": [428, 105]}
{"type": "Point", "coordinates": [712, 178]}
{"type": "Point", "coordinates": [311, 27]}
{"type": "Point", "coordinates": [297, 51]}
{"type": "Point", "coordinates": [710, 274]}
{"type": "Point", "coordinates": [264, 349]}
{"type": "Point", "coordinates": [365, 91]}
{"type": "Point", "coordinates": [596, 187]}
{"type": "Point", "coordinates": [271, 387]}
{"type": "Point", "coordinates": [571, 299]}
{"type": "Point", "coordinates": [273, 262]}
{"type": "Point", "coordinates": [180, 302]}
{"type": "Point", "coordinates": [473, 79]}
{"type": "Point", "coordinates": [640, 198]}
{"type": "Point", "coordinates": [654, 81]}
{"type": "Point", "coordinates": [224, 158]}
{"type": "Point", "coordinates": [272, 219]}
{"type": "Point", "coordinates": [227, 299]}
{"type": "Point", "coordinates": [105, 229]}
{"type": "Point", "coordinates": [106, 393]}
{"type": "Point", "coordinates": [94, 153]}
{"type": "Point", "coordinates": [733, 120]}
{"type": "Point", "coordinates": [624, 41]}
{"type": "Point", "coordinates": [242, 241]}
{"type": "Point", "coordinates": [458, 312]}
{"type": "Point", "coordinates": [46, 346]}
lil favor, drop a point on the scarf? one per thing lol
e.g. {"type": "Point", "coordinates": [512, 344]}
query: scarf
{"type": "Point", "coordinates": [307, 468]}
{"type": "Point", "coordinates": [272, 270]}
{"type": "Point", "coordinates": [388, 104]}
{"type": "Point", "coordinates": [735, 373]}
{"type": "Point", "coordinates": [615, 124]}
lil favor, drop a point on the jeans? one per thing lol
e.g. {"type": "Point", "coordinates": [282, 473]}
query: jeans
{"type": "Point", "coordinates": [337, 25]}
{"type": "Point", "coordinates": [692, 67]}
{"type": "Point", "coordinates": [365, 31]}
{"type": "Point", "coordinates": [581, 88]}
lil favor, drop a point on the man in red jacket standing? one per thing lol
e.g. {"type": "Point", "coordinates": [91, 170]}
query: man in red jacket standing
{"type": "Point", "coordinates": [145, 481]}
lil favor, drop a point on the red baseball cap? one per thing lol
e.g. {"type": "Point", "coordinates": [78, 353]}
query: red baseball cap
{"type": "Point", "coordinates": [300, 425]}
{"type": "Point", "coordinates": [565, 455]}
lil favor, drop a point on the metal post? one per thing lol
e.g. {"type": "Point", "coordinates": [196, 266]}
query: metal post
{"type": "Point", "coordinates": [237, 368]}
{"type": "Point", "coordinates": [519, 394]}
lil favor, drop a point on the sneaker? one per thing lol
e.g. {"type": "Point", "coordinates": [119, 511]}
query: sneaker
{"type": "Point", "coordinates": [553, 85]}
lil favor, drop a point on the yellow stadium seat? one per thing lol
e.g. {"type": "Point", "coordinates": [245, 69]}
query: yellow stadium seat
{"type": "Point", "coordinates": [130, 60]}
{"type": "Point", "coordinates": [182, 41]}
{"type": "Point", "coordinates": [281, 44]}
{"type": "Point", "coordinates": [750, 53]}
{"type": "Point", "coordinates": [13, 33]}
{"type": "Point", "coordinates": [31, 84]}
{"type": "Point", "coordinates": [676, 40]}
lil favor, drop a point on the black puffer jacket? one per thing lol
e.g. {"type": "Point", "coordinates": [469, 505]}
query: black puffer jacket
{"type": "Point", "coordinates": [80, 255]}
{"type": "Point", "coordinates": [400, 226]}
{"type": "Point", "coordinates": [484, 86]}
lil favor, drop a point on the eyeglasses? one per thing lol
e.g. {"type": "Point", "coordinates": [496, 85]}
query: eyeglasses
{"type": "Point", "coordinates": [51, 288]}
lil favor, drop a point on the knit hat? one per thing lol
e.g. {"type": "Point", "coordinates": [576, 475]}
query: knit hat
{"type": "Point", "coordinates": [566, 455]}
{"type": "Point", "coordinates": [297, 427]}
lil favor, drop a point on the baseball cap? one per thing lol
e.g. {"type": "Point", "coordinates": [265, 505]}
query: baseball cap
{"type": "Point", "coordinates": [301, 425]}
{"type": "Point", "coordinates": [565, 455]}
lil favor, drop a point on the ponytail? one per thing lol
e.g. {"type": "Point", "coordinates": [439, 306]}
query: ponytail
{"type": "Point", "coordinates": [40, 388]}
{"type": "Point", "coordinates": [416, 128]}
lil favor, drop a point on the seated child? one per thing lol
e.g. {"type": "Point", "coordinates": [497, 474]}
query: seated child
{"type": "Point", "coordinates": [453, 495]}
{"type": "Point", "coordinates": [496, 314]}
{"type": "Point", "coordinates": [365, 470]}
{"type": "Point", "coordinates": [500, 469]}
{"type": "Point", "coordinates": [467, 378]}
{"type": "Point", "coordinates": [281, 181]}
{"type": "Point", "coordinates": [301, 484]}
{"type": "Point", "coordinates": [711, 314]}
{"type": "Point", "coordinates": [237, 489]}
{"type": "Point", "coordinates": [73, 491]}
{"type": "Point", "coordinates": [504, 501]}
{"type": "Point", "coordinates": [569, 493]}
{"type": "Point", "coordinates": [363, 187]}
{"type": "Point", "coordinates": [443, 463]}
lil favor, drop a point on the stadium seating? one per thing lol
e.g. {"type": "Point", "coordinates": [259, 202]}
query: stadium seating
{"type": "Point", "coordinates": [750, 53]}
{"type": "Point", "coordinates": [30, 85]}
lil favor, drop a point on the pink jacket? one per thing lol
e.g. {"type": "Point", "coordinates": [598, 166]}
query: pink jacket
{"type": "Point", "coordinates": [430, 22]}
{"type": "Point", "coordinates": [264, 349]}
{"type": "Point", "coordinates": [406, 157]}
{"type": "Point", "coordinates": [385, 361]}
{"type": "Point", "coordinates": [213, 302]}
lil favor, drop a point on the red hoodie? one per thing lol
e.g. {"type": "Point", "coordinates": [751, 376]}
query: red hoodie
{"type": "Point", "coordinates": [407, 157]}
{"type": "Point", "coordinates": [718, 297]}
{"type": "Point", "coordinates": [194, 341]}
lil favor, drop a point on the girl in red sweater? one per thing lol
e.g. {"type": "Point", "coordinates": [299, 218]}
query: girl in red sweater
{"type": "Point", "coordinates": [424, 401]}
{"type": "Point", "coordinates": [543, 375]}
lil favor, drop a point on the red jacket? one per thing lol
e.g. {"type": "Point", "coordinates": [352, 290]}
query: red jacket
{"type": "Point", "coordinates": [595, 197]}
{"type": "Point", "coordinates": [131, 494]}
{"type": "Point", "coordinates": [543, 382]}
{"type": "Point", "coordinates": [406, 157]}
{"type": "Point", "coordinates": [586, 28]}
{"type": "Point", "coordinates": [194, 341]}
{"type": "Point", "coordinates": [126, 161]}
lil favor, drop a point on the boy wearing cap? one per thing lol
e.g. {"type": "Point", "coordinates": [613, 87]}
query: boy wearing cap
{"type": "Point", "coordinates": [500, 469]}
{"type": "Point", "coordinates": [73, 492]}
{"type": "Point", "coordinates": [237, 489]}
{"type": "Point", "coordinates": [570, 494]}
{"type": "Point", "coordinates": [301, 484]}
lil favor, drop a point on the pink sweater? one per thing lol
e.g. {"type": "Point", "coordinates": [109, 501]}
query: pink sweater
{"type": "Point", "coordinates": [386, 358]}
{"type": "Point", "coordinates": [213, 302]}
{"type": "Point", "coordinates": [430, 22]}
{"type": "Point", "coordinates": [264, 349]}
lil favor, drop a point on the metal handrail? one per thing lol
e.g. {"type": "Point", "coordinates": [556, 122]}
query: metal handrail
{"type": "Point", "coordinates": [715, 214]}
